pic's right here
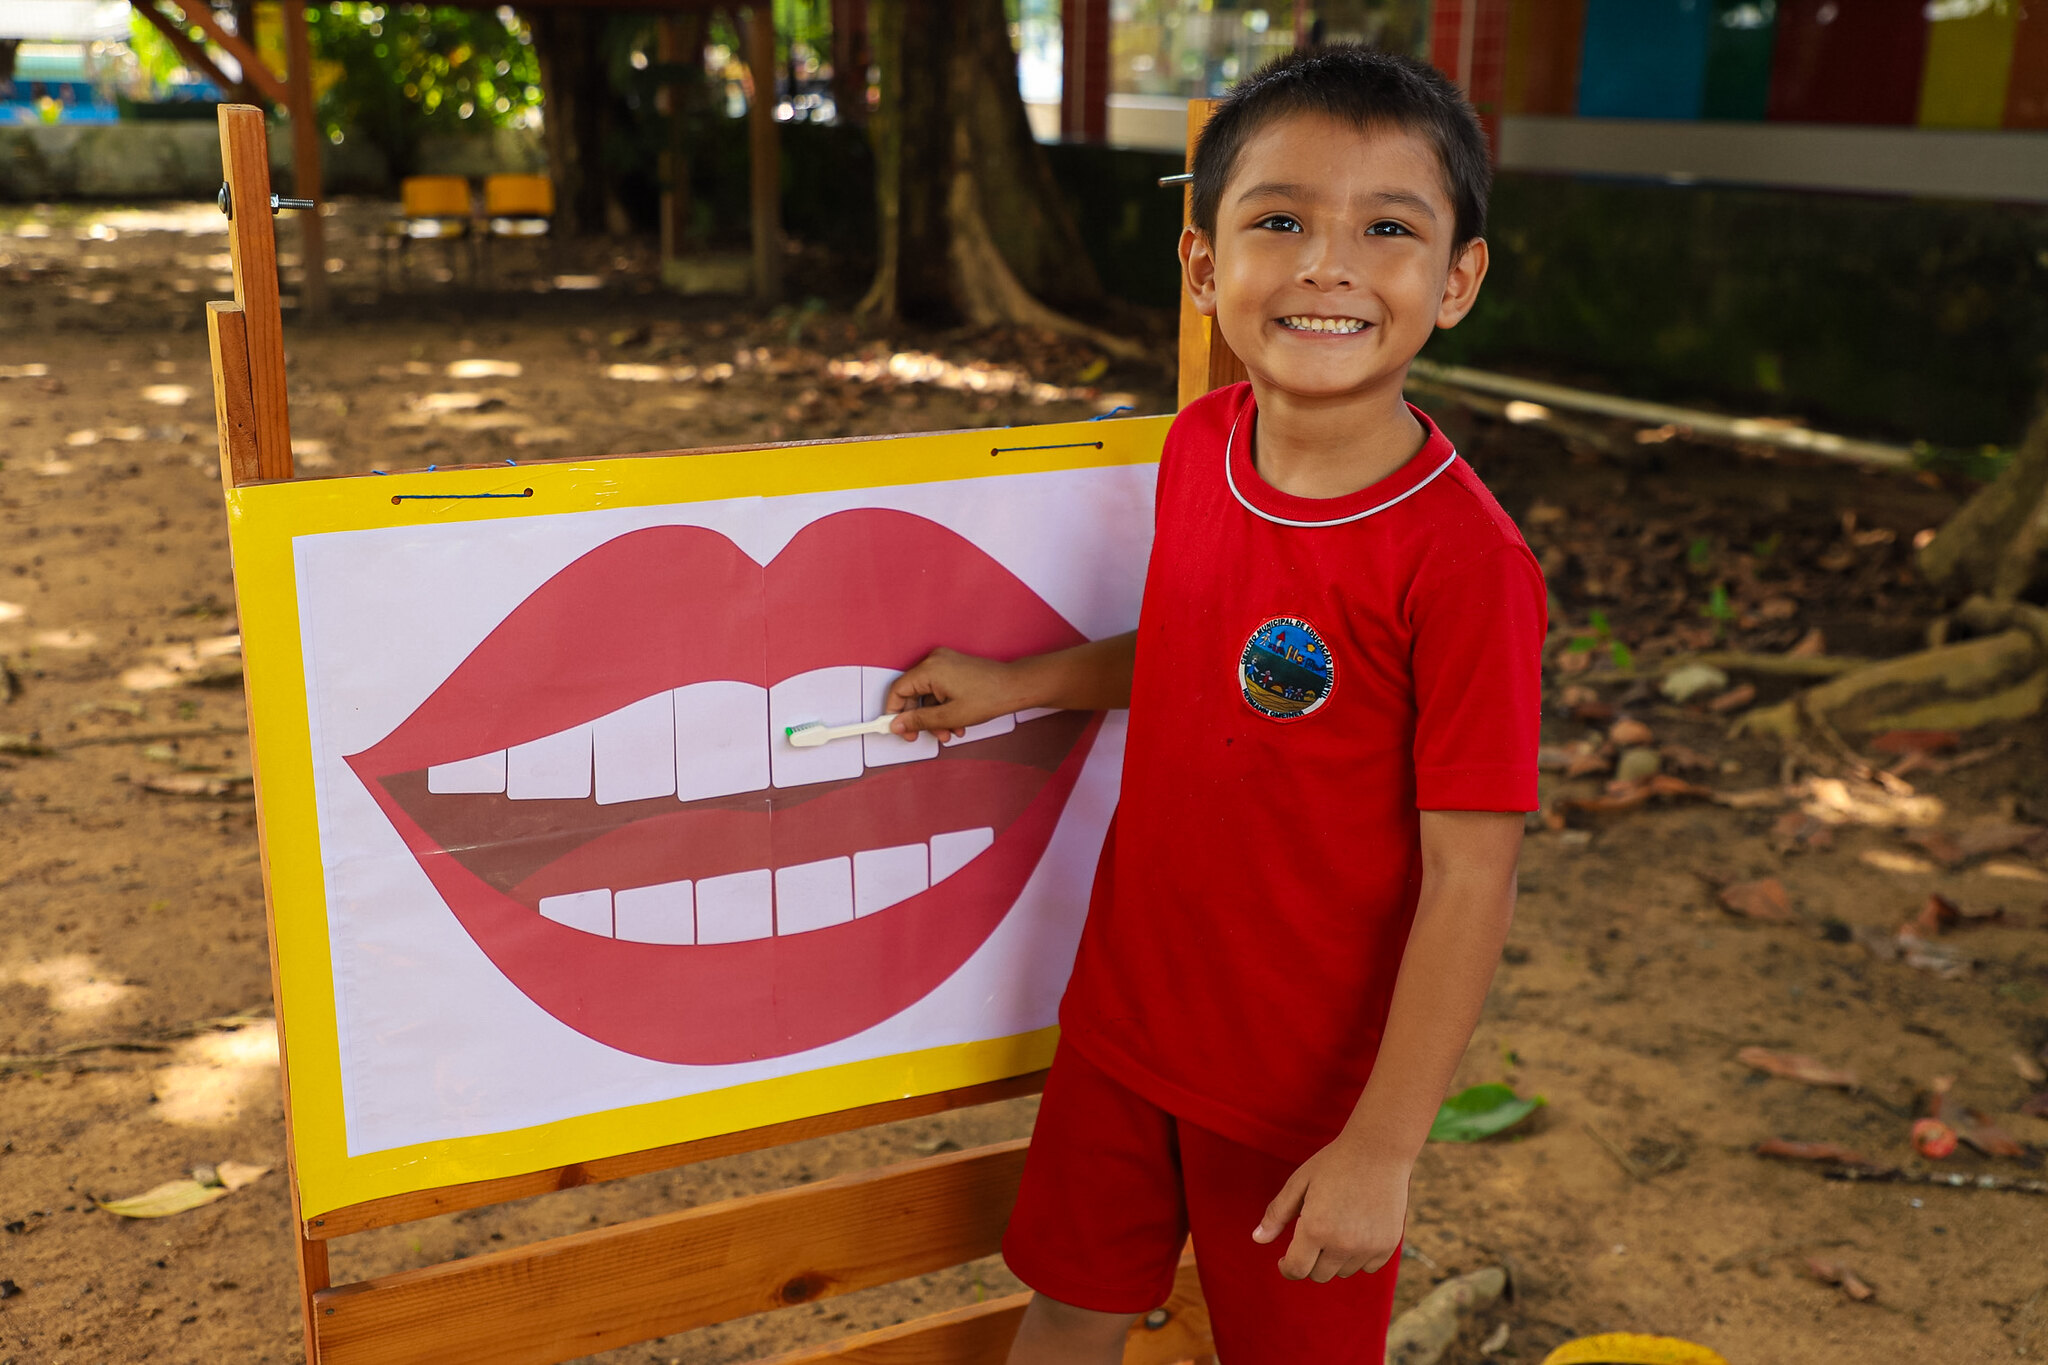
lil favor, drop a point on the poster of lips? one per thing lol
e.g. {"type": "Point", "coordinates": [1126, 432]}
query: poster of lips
{"type": "Point", "coordinates": [565, 886]}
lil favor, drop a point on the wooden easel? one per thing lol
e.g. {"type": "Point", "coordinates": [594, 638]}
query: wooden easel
{"type": "Point", "coordinates": [570, 1296]}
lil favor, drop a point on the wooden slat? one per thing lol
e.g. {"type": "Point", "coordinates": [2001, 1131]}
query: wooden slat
{"type": "Point", "coordinates": [254, 71]}
{"type": "Point", "coordinates": [407, 1208]}
{"type": "Point", "coordinates": [234, 411]}
{"type": "Point", "coordinates": [592, 1291]}
{"type": "Point", "coordinates": [981, 1335]}
{"type": "Point", "coordinates": [1206, 360]}
{"type": "Point", "coordinates": [252, 244]}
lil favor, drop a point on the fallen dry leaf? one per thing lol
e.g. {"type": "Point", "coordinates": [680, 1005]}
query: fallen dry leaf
{"type": "Point", "coordinates": [1996, 834]}
{"type": "Point", "coordinates": [1795, 831]}
{"type": "Point", "coordinates": [1790, 1150]}
{"type": "Point", "coordinates": [233, 787]}
{"type": "Point", "coordinates": [1629, 732]}
{"type": "Point", "coordinates": [1763, 899]}
{"type": "Point", "coordinates": [1891, 860]}
{"type": "Point", "coordinates": [1835, 1273]}
{"type": "Point", "coordinates": [2036, 1106]}
{"type": "Point", "coordinates": [2028, 1069]}
{"type": "Point", "coordinates": [1840, 802]}
{"type": "Point", "coordinates": [1987, 1137]}
{"type": "Point", "coordinates": [1794, 1066]}
{"type": "Point", "coordinates": [1937, 913]}
{"type": "Point", "coordinates": [1915, 742]}
{"type": "Point", "coordinates": [1734, 699]}
{"type": "Point", "coordinates": [1686, 760]}
{"type": "Point", "coordinates": [1811, 645]}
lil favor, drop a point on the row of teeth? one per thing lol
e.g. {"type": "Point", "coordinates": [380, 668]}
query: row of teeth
{"type": "Point", "coordinates": [1307, 324]}
{"type": "Point", "coordinates": [708, 739]}
{"type": "Point", "coordinates": [765, 903]}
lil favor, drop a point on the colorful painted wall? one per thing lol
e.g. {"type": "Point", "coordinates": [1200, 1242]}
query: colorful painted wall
{"type": "Point", "coordinates": [1899, 63]}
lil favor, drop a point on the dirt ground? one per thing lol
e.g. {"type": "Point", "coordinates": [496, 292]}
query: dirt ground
{"type": "Point", "coordinates": [131, 917]}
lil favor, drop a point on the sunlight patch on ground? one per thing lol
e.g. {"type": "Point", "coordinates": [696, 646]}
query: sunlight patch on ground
{"type": "Point", "coordinates": [217, 1076]}
{"type": "Point", "coordinates": [73, 983]}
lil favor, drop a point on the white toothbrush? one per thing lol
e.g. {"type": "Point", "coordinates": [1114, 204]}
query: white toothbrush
{"type": "Point", "coordinates": [812, 733]}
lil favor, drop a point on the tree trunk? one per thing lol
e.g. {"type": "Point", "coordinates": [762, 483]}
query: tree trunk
{"type": "Point", "coordinates": [1997, 542]}
{"type": "Point", "coordinates": [575, 96]}
{"type": "Point", "coordinates": [971, 224]}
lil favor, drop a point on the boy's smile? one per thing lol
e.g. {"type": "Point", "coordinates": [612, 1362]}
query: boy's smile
{"type": "Point", "coordinates": [1330, 267]}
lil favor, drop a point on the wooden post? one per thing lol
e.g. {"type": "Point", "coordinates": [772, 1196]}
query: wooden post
{"type": "Point", "coordinates": [298, 80]}
{"type": "Point", "coordinates": [1206, 360]}
{"type": "Point", "coordinates": [252, 247]}
{"type": "Point", "coordinates": [765, 155]}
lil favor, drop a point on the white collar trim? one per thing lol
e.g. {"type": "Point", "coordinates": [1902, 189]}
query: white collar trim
{"type": "Point", "coordinates": [1230, 444]}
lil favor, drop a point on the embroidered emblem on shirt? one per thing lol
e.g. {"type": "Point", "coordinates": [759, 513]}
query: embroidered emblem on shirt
{"type": "Point", "coordinates": [1286, 670]}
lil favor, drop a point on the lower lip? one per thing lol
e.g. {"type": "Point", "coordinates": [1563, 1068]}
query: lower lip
{"type": "Point", "coordinates": [717, 1004]}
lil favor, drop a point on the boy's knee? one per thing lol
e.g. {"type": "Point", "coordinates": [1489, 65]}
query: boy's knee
{"type": "Point", "coordinates": [1076, 1327]}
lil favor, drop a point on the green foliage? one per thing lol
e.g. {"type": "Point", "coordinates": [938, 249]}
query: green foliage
{"type": "Point", "coordinates": [410, 70]}
{"type": "Point", "coordinates": [1481, 1112]}
{"type": "Point", "coordinates": [1600, 635]}
{"type": "Point", "coordinates": [153, 52]}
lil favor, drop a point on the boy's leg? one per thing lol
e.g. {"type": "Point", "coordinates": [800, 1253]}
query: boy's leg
{"type": "Point", "coordinates": [1259, 1316]}
{"type": "Point", "coordinates": [1055, 1333]}
{"type": "Point", "coordinates": [1099, 1222]}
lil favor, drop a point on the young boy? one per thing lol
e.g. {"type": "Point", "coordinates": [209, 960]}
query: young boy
{"type": "Point", "coordinates": [1333, 693]}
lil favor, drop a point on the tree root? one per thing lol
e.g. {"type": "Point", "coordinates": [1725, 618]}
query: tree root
{"type": "Point", "coordinates": [2002, 676]}
{"type": "Point", "coordinates": [988, 291]}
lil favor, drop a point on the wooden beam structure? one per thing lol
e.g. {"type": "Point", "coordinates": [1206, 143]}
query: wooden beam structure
{"type": "Point", "coordinates": [252, 251]}
{"type": "Point", "coordinates": [254, 70]}
{"type": "Point", "coordinates": [189, 52]}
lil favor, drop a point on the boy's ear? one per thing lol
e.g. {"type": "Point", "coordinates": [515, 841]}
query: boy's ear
{"type": "Point", "coordinates": [1461, 286]}
{"type": "Point", "coordinates": [1198, 269]}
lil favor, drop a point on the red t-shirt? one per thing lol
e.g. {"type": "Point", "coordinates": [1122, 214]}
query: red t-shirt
{"type": "Point", "coordinates": [1311, 674]}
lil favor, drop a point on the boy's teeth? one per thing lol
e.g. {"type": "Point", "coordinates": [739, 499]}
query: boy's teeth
{"type": "Point", "coordinates": [1309, 324]}
{"type": "Point", "coordinates": [764, 902]}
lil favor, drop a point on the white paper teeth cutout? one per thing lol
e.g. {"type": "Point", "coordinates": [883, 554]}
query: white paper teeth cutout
{"type": "Point", "coordinates": [761, 903]}
{"type": "Point", "coordinates": [709, 739]}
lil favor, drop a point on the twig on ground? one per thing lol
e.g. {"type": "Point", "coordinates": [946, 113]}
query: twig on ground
{"type": "Point", "coordinates": [1945, 1180]}
{"type": "Point", "coordinates": [154, 736]}
{"type": "Point", "coordinates": [1629, 1165]}
{"type": "Point", "coordinates": [150, 1042]}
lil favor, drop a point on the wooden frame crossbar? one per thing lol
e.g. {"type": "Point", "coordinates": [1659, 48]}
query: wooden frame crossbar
{"type": "Point", "coordinates": [568, 1296]}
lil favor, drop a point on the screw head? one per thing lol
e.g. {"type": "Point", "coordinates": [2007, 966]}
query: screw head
{"type": "Point", "coordinates": [225, 200]}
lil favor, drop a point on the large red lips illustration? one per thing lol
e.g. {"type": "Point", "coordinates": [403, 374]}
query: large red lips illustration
{"type": "Point", "coordinates": [671, 607]}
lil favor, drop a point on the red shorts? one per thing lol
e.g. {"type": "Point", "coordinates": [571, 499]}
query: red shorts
{"type": "Point", "coordinates": [1114, 1185]}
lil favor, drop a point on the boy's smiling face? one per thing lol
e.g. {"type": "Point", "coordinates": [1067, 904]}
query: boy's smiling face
{"type": "Point", "coordinates": [1331, 263]}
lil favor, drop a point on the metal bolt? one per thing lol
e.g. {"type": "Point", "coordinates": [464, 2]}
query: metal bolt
{"type": "Point", "coordinates": [279, 202]}
{"type": "Point", "coordinates": [1157, 1319]}
{"type": "Point", "coordinates": [1183, 178]}
{"type": "Point", "coordinates": [225, 200]}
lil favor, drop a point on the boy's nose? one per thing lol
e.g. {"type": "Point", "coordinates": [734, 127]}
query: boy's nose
{"type": "Point", "coordinates": [1325, 266]}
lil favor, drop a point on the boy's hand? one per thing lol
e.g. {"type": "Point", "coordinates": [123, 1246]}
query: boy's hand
{"type": "Point", "coordinates": [1348, 1208]}
{"type": "Point", "coordinates": [948, 692]}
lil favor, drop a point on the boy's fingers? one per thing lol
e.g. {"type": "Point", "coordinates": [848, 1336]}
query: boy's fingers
{"type": "Point", "coordinates": [1282, 1210]}
{"type": "Point", "coordinates": [1302, 1254]}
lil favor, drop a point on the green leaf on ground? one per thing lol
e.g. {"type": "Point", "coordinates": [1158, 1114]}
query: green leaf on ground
{"type": "Point", "coordinates": [1481, 1112]}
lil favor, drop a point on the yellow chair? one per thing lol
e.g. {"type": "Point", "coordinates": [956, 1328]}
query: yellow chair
{"type": "Point", "coordinates": [1628, 1348]}
{"type": "Point", "coordinates": [517, 206]}
{"type": "Point", "coordinates": [431, 208]}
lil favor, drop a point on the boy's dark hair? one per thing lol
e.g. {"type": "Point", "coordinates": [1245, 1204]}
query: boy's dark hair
{"type": "Point", "coordinates": [1362, 87]}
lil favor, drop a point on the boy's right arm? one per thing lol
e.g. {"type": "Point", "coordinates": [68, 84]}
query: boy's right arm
{"type": "Point", "coordinates": [950, 691]}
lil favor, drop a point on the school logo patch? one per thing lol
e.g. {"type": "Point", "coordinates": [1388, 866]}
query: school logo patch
{"type": "Point", "coordinates": [1286, 670]}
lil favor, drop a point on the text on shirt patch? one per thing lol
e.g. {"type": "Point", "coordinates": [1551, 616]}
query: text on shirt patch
{"type": "Point", "coordinates": [1286, 671]}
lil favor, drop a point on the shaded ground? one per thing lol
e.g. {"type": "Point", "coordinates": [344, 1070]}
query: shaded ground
{"type": "Point", "coordinates": [1632, 1202]}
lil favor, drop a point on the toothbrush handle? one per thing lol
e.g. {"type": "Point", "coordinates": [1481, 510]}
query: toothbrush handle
{"type": "Point", "coordinates": [878, 726]}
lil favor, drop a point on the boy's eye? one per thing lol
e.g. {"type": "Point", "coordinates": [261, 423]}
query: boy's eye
{"type": "Point", "coordinates": [1280, 222]}
{"type": "Point", "coordinates": [1388, 228]}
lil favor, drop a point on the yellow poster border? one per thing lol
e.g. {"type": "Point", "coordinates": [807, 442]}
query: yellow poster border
{"type": "Point", "coordinates": [264, 520]}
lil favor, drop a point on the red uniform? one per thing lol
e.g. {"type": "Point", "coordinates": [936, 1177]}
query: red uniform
{"type": "Point", "coordinates": [1311, 674]}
